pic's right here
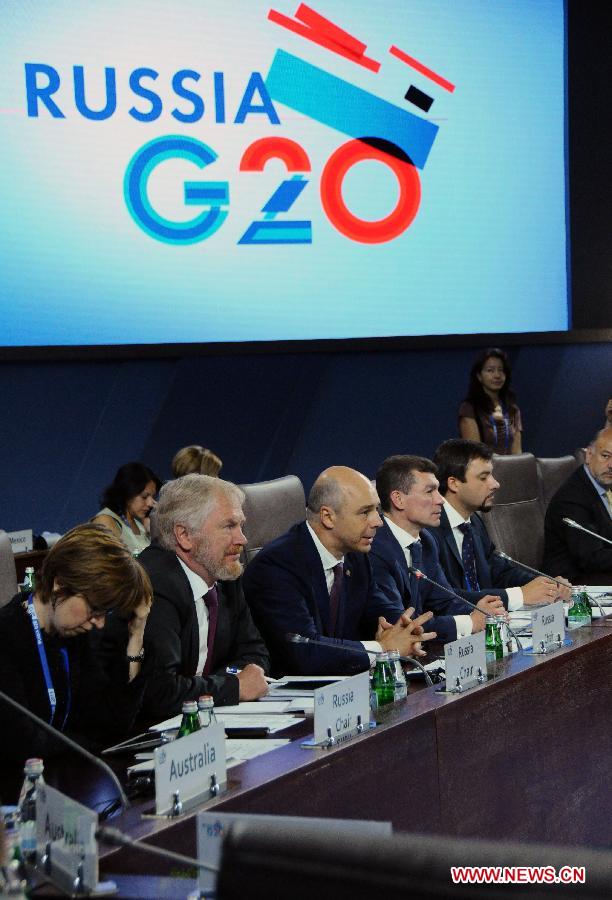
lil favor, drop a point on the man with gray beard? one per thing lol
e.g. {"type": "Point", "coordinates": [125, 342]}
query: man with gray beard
{"type": "Point", "coordinates": [200, 626]}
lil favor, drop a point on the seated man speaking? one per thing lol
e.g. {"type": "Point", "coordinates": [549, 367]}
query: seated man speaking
{"type": "Point", "coordinates": [202, 626]}
{"type": "Point", "coordinates": [316, 581]}
{"type": "Point", "coordinates": [408, 491]}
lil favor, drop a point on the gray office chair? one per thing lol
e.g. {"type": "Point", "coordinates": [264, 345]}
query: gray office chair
{"type": "Point", "coordinates": [8, 575]}
{"type": "Point", "coordinates": [516, 521]}
{"type": "Point", "coordinates": [552, 472]}
{"type": "Point", "coordinates": [271, 508]}
{"type": "Point", "coordinates": [256, 858]}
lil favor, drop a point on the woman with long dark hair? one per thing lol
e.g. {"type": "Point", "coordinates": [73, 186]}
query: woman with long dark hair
{"type": "Point", "coordinates": [127, 503]}
{"type": "Point", "coordinates": [490, 413]}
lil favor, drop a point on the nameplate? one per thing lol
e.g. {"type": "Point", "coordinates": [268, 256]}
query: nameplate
{"type": "Point", "coordinates": [190, 767]}
{"type": "Point", "coordinates": [465, 662]}
{"type": "Point", "coordinates": [211, 828]}
{"type": "Point", "coordinates": [342, 710]}
{"type": "Point", "coordinates": [548, 625]}
{"type": "Point", "coordinates": [21, 541]}
{"type": "Point", "coordinates": [66, 847]}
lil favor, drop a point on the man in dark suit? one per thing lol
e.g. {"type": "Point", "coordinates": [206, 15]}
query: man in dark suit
{"type": "Point", "coordinates": [467, 554]}
{"type": "Point", "coordinates": [316, 581]}
{"type": "Point", "coordinates": [200, 625]}
{"type": "Point", "coordinates": [586, 497]}
{"type": "Point", "coordinates": [409, 496]}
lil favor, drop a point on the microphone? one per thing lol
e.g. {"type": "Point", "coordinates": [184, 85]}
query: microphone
{"type": "Point", "coordinates": [300, 639]}
{"type": "Point", "coordinates": [112, 837]}
{"type": "Point", "coordinates": [527, 568]}
{"type": "Point", "coordinates": [69, 743]}
{"type": "Point", "coordinates": [451, 593]}
{"type": "Point", "coordinates": [594, 534]}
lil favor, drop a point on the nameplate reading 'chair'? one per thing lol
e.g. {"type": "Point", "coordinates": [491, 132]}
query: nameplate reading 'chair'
{"type": "Point", "coordinates": [271, 508]}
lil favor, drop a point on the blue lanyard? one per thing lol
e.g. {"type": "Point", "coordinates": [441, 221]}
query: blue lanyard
{"type": "Point", "coordinates": [42, 653]}
{"type": "Point", "coordinates": [506, 429]}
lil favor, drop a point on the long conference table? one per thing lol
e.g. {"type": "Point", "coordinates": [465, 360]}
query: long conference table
{"type": "Point", "coordinates": [524, 757]}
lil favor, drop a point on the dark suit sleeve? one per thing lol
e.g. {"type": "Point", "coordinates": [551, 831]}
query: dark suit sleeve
{"type": "Point", "coordinates": [238, 641]}
{"type": "Point", "coordinates": [282, 602]}
{"type": "Point", "coordinates": [390, 583]}
{"type": "Point", "coordinates": [587, 554]}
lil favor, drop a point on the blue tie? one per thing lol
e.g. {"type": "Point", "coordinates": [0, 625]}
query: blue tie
{"type": "Point", "coordinates": [468, 557]}
{"type": "Point", "coordinates": [416, 556]}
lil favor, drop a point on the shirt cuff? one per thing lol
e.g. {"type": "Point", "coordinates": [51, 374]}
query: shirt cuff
{"type": "Point", "coordinates": [515, 598]}
{"type": "Point", "coordinates": [464, 626]}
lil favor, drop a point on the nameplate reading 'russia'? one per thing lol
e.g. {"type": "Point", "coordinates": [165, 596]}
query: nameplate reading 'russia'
{"type": "Point", "coordinates": [465, 661]}
{"type": "Point", "coordinates": [340, 708]}
{"type": "Point", "coordinates": [548, 624]}
{"type": "Point", "coordinates": [186, 765]}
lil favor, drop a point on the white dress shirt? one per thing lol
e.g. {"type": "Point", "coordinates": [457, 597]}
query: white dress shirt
{"type": "Point", "coordinates": [515, 594]}
{"type": "Point", "coordinates": [328, 561]}
{"type": "Point", "coordinates": [463, 623]}
{"type": "Point", "coordinates": [199, 589]}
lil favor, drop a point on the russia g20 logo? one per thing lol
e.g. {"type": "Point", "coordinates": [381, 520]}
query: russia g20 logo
{"type": "Point", "coordinates": [379, 131]}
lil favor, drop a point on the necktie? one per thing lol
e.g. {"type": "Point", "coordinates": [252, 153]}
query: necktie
{"type": "Point", "coordinates": [468, 558]}
{"type": "Point", "coordinates": [211, 599]}
{"type": "Point", "coordinates": [416, 557]}
{"type": "Point", "coordinates": [609, 496]}
{"type": "Point", "coordinates": [335, 598]}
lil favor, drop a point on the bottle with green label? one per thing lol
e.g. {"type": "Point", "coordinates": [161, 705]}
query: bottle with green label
{"type": "Point", "coordinates": [579, 612]}
{"type": "Point", "coordinates": [494, 646]}
{"type": "Point", "coordinates": [191, 719]}
{"type": "Point", "coordinates": [384, 679]}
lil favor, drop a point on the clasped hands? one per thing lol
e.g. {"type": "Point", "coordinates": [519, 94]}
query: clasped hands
{"type": "Point", "coordinates": [406, 635]}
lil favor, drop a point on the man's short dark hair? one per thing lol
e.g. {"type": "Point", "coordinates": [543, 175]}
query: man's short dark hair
{"type": "Point", "coordinates": [453, 457]}
{"type": "Point", "coordinates": [397, 473]}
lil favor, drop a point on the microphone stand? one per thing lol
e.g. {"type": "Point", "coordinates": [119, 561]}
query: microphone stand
{"type": "Point", "coordinates": [451, 593]}
{"type": "Point", "coordinates": [594, 534]}
{"type": "Point", "coordinates": [300, 639]}
{"type": "Point", "coordinates": [69, 743]}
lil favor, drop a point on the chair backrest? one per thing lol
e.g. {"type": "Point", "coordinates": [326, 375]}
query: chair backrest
{"type": "Point", "coordinates": [271, 508]}
{"type": "Point", "coordinates": [552, 472]}
{"type": "Point", "coordinates": [8, 575]}
{"type": "Point", "coordinates": [516, 521]}
{"type": "Point", "coordinates": [353, 866]}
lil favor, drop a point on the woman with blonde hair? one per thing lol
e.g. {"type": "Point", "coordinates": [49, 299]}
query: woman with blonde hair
{"type": "Point", "coordinates": [196, 459]}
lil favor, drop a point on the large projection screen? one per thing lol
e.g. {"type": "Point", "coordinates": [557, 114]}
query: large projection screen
{"type": "Point", "coordinates": [195, 171]}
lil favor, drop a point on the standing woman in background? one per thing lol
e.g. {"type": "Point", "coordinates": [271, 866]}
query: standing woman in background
{"type": "Point", "coordinates": [489, 413]}
{"type": "Point", "coordinates": [127, 504]}
{"type": "Point", "coordinates": [196, 459]}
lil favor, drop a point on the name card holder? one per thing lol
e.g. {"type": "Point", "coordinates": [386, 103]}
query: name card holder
{"type": "Point", "coordinates": [66, 847]}
{"type": "Point", "coordinates": [465, 663]}
{"type": "Point", "coordinates": [190, 770]}
{"type": "Point", "coordinates": [341, 711]}
{"type": "Point", "coordinates": [548, 629]}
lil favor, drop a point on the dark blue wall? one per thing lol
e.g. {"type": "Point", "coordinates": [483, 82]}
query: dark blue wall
{"type": "Point", "coordinates": [67, 426]}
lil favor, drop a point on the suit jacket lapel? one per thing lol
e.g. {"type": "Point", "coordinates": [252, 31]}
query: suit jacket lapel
{"type": "Point", "coordinates": [318, 583]}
